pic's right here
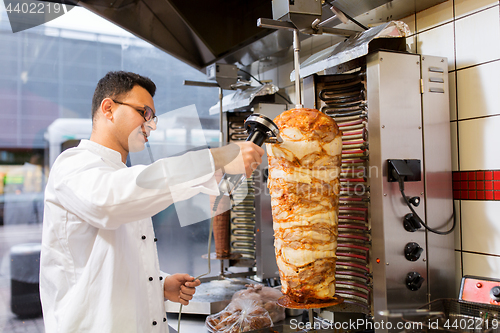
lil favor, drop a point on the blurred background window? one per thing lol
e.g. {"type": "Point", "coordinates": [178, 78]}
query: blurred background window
{"type": "Point", "coordinates": [47, 78]}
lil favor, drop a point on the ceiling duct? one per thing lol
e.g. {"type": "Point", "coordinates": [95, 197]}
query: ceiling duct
{"type": "Point", "coordinates": [302, 13]}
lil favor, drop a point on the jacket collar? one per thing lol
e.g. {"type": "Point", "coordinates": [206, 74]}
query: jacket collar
{"type": "Point", "coordinates": [102, 151]}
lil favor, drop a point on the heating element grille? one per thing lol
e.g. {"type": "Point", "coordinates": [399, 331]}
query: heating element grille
{"type": "Point", "coordinates": [242, 215]}
{"type": "Point", "coordinates": [343, 97]}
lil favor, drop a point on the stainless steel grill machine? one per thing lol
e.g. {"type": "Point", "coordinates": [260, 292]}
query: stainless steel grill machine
{"type": "Point", "coordinates": [393, 108]}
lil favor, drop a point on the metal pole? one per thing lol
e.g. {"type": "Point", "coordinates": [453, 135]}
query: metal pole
{"type": "Point", "coordinates": [311, 319]}
{"type": "Point", "coordinates": [296, 49]}
{"type": "Point", "coordinates": [221, 134]}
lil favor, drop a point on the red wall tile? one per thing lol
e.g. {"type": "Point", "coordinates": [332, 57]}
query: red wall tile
{"type": "Point", "coordinates": [476, 185]}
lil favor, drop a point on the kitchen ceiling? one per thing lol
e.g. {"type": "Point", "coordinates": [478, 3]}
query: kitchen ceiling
{"type": "Point", "coordinates": [203, 32]}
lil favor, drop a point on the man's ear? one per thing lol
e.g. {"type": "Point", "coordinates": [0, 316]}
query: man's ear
{"type": "Point", "coordinates": [106, 108]}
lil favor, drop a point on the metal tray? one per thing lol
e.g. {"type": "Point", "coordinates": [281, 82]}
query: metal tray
{"type": "Point", "coordinates": [452, 315]}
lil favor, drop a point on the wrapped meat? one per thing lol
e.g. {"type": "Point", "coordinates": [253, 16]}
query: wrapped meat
{"type": "Point", "coordinates": [265, 297]}
{"type": "Point", "coordinates": [241, 315]}
{"type": "Point", "coordinates": [304, 186]}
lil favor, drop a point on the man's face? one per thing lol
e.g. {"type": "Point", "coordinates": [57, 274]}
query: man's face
{"type": "Point", "coordinates": [131, 128]}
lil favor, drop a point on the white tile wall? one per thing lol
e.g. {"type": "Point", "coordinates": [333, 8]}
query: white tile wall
{"type": "Point", "coordinates": [478, 90]}
{"type": "Point", "coordinates": [454, 146]}
{"type": "Point", "coordinates": [434, 16]}
{"type": "Point", "coordinates": [438, 42]}
{"type": "Point", "coordinates": [453, 96]}
{"type": "Point", "coordinates": [478, 141]}
{"type": "Point", "coordinates": [474, 40]}
{"type": "Point", "coordinates": [466, 7]}
{"type": "Point", "coordinates": [410, 21]}
{"type": "Point", "coordinates": [458, 228]}
{"type": "Point", "coordinates": [479, 223]}
{"type": "Point", "coordinates": [478, 37]}
{"type": "Point", "coordinates": [481, 265]}
{"type": "Point", "coordinates": [458, 271]}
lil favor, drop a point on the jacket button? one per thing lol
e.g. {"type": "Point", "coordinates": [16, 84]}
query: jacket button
{"type": "Point", "coordinates": [156, 239]}
{"type": "Point", "coordinates": [164, 319]}
{"type": "Point", "coordinates": [150, 278]}
{"type": "Point", "coordinates": [154, 322]}
{"type": "Point", "coordinates": [143, 237]}
{"type": "Point", "coordinates": [161, 278]}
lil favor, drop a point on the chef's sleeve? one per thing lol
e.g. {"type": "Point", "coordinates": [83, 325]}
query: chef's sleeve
{"type": "Point", "coordinates": [107, 197]}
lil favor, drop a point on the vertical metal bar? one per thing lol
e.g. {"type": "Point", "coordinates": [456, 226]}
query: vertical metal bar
{"type": "Point", "coordinates": [296, 49]}
{"type": "Point", "coordinates": [311, 319]}
{"type": "Point", "coordinates": [221, 133]}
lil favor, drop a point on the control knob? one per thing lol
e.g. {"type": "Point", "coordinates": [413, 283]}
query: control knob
{"type": "Point", "coordinates": [413, 251]}
{"type": "Point", "coordinates": [414, 281]}
{"type": "Point", "coordinates": [495, 293]}
{"type": "Point", "coordinates": [411, 223]}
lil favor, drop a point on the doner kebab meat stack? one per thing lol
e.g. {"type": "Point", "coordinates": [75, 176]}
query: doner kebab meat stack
{"type": "Point", "coordinates": [304, 186]}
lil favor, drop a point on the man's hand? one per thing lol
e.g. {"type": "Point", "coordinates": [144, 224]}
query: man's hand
{"type": "Point", "coordinates": [237, 158]}
{"type": "Point", "coordinates": [180, 288]}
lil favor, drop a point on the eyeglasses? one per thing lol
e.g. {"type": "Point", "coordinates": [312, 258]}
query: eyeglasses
{"type": "Point", "coordinates": [147, 113]}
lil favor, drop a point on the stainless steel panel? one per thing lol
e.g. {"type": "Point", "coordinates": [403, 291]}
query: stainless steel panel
{"type": "Point", "coordinates": [284, 7]}
{"type": "Point", "coordinates": [280, 8]}
{"type": "Point", "coordinates": [438, 178]}
{"type": "Point", "coordinates": [395, 132]}
{"type": "Point", "coordinates": [309, 91]}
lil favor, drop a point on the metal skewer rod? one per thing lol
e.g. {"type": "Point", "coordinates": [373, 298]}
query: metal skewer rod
{"type": "Point", "coordinates": [311, 319]}
{"type": "Point", "coordinates": [296, 61]}
{"type": "Point", "coordinates": [221, 134]}
{"type": "Point", "coordinates": [208, 251]}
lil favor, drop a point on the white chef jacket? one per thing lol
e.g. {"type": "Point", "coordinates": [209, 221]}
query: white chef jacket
{"type": "Point", "coordinates": [99, 269]}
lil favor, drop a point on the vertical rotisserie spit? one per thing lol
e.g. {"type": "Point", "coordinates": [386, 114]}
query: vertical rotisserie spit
{"type": "Point", "coordinates": [304, 186]}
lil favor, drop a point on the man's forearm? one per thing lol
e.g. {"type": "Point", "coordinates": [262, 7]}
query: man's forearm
{"type": "Point", "coordinates": [224, 155]}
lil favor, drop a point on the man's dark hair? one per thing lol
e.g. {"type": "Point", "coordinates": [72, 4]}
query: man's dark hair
{"type": "Point", "coordinates": [115, 84]}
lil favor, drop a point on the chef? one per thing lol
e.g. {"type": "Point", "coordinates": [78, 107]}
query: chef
{"type": "Point", "coordinates": [99, 269]}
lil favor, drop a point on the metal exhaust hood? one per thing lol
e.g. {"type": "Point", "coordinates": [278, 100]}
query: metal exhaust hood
{"type": "Point", "coordinates": [352, 48]}
{"type": "Point", "coordinates": [200, 33]}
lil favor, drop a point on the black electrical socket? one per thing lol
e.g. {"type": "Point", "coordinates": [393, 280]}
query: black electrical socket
{"type": "Point", "coordinates": [410, 170]}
